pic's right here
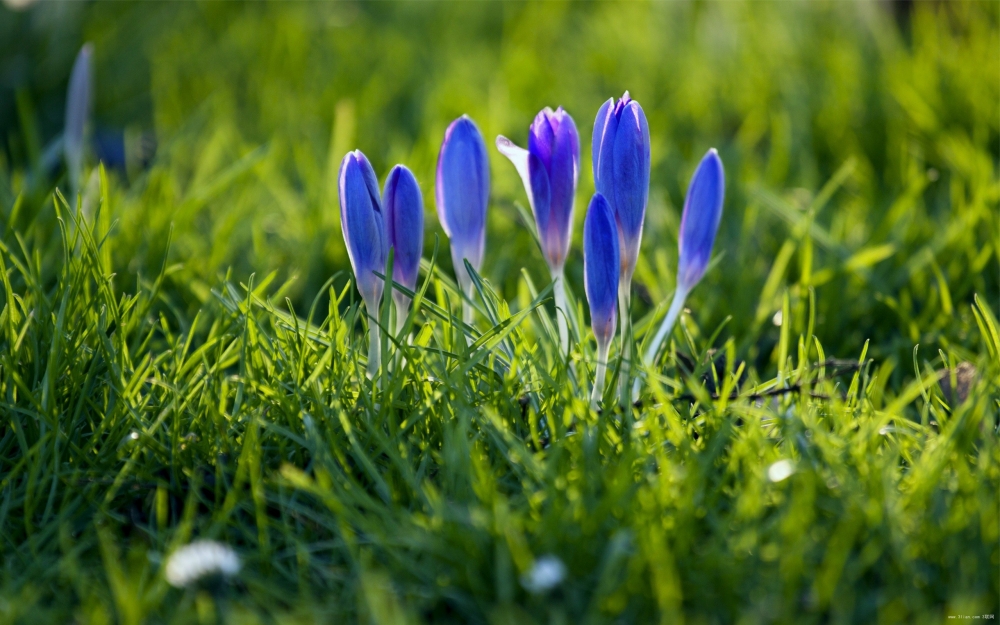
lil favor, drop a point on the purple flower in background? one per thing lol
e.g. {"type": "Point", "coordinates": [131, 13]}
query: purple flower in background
{"type": "Point", "coordinates": [462, 194]}
{"type": "Point", "coordinates": [404, 223]}
{"type": "Point", "coordinates": [699, 225]}
{"type": "Point", "coordinates": [78, 98]}
{"type": "Point", "coordinates": [549, 169]}
{"type": "Point", "coordinates": [364, 234]}
{"type": "Point", "coordinates": [601, 265]}
{"type": "Point", "coordinates": [364, 229]}
{"type": "Point", "coordinates": [621, 172]}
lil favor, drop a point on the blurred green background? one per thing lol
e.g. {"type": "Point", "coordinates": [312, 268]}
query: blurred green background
{"type": "Point", "coordinates": [253, 106]}
{"type": "Point", "coordinates": [861, 147]}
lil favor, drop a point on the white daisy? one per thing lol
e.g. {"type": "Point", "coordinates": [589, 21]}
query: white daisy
{"type": "Point", "coordinates": [546, 573]}
{"type": "Point", "coordinates": [199, 559]}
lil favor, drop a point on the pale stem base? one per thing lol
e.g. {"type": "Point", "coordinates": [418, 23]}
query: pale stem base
{"type": "Point", "coordinates": [402, 308]}
{"type": "Point", "coordinates": [465, 283]}
{"type": "Point", "coordinates": [374, 348]}
{"type": "Point", "coordinates": [602, 369]}
{"type": "Point", "coordinates": [562, 310]}
{"type": "Point", "coordinates": [625, 312]}
{"type": "Point", "coordinates": [676, 306]}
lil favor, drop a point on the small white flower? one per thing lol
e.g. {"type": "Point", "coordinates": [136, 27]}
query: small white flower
{"type": "Point", "coordinates": [546, 573]}
{"type": "Point", "coordinates": [199, 559]}
{"type": "Point", "coordinates": [780, 470]}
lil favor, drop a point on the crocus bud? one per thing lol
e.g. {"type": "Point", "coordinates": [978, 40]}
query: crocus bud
{"type": "Point", "coordinates": [700, 221]}
{"type": "Point", "coordinates": [78, 97]}
{"type": "Point", "coordinates": [364, 230]}
{"type": "Point", "coordinates": [404, 225]}
{"type": "Point", "coordinates": [621, 172]}
{"type": "Point", "coordinates": [549, 169]}
{"type": "Point", "coordinates": [601, 261]}
{"type": "Point", "coordinates": [462, 193]}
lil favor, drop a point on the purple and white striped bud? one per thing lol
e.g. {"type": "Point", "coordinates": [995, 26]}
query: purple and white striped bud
{"type": "Point", "coordinates": [462, 194]}
{"type": "Point", "coordinates": [363, 226]}
{"type": "Point", "coordinates": [549, 169]}
{"type": "Point", "coordinates": [404, 223]}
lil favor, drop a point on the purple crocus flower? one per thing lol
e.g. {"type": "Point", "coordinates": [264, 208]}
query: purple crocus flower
{"type": "Point", "coordinates": [462, 194]}
{"type": "Point", "coordinates": [699, 225]}
{"type": "Point", "coordinates": [78, 97]}
{"type": "Point", "coordinates": [601, 268]}
{"type": "Point", "coordinates": [549, 169]}
{"type": "Point", "coordinates": [364, 228]}
{"type": "Point", "coordinates": [700, 220]}
{"type": "Point", "coordinates": [621, 172]}
{"type": "Point", "coordinates": [404, 223]}
{"type": "Point", "coordinates": [364, 234]}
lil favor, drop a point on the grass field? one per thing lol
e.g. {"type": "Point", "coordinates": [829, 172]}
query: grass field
{"type": "Point", "coordinates": [182, 351]}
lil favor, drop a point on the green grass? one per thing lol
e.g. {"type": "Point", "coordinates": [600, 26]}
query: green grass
{"type": "Point", "coordinates": [184, 357]}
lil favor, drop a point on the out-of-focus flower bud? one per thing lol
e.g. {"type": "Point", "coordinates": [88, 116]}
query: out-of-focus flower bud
{"type": "Point", "coordinates": [462, 193]}
{"type": "Point", "coordinates": [363, 226]}
{"type": "Point", "coordinates": [404, 223]}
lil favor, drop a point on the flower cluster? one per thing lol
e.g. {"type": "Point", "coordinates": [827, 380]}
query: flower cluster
{"type": "Point", "coordinates": [550, 169]}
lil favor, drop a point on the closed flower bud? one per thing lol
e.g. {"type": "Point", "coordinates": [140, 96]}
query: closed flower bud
{"type": "Point", "coordinates": [621, 172]}
{"type": "Point", "coordinates": [462, 193]}
{"type": "Point", "coordinates": [699, 224]}
{"type": "Point", "coordinates": [364, 229]}
{"type": "Point", "coordinates": [600, 267]}
{"type": "Point", "coordinates": [404, 224]}
{"type": "Point", "coordinates": [549, 169]}
{"type": "Point", "coordinates": [601, 264]}
{"type": "Point", "coordinates": [78, 98]}
{"type": "Point", "coordinates": [700, 221]}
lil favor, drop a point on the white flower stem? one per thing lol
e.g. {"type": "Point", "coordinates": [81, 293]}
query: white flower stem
{"type": "Point", "coordinates": [602, 368]}
{"type": "Point", "coordinates": [465, 284]}
{"type": "Point", "coordinates": [624, 309]}
{"type": "Point", "coordinates": [402, 308]}
{"type": "Point", "coordinates": [374, 345]}
{"type": "Point", "coordinates": [668, 324]}
{"type": "Point", "coordinates": [676, 306]}
{"type": "Point", "coordinates": [562, 310]}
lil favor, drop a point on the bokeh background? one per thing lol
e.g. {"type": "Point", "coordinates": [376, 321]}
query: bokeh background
{"type": "Point", "coordinates": [859, 138]}
{"type": "Point", "coordinates": [861, 148]}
